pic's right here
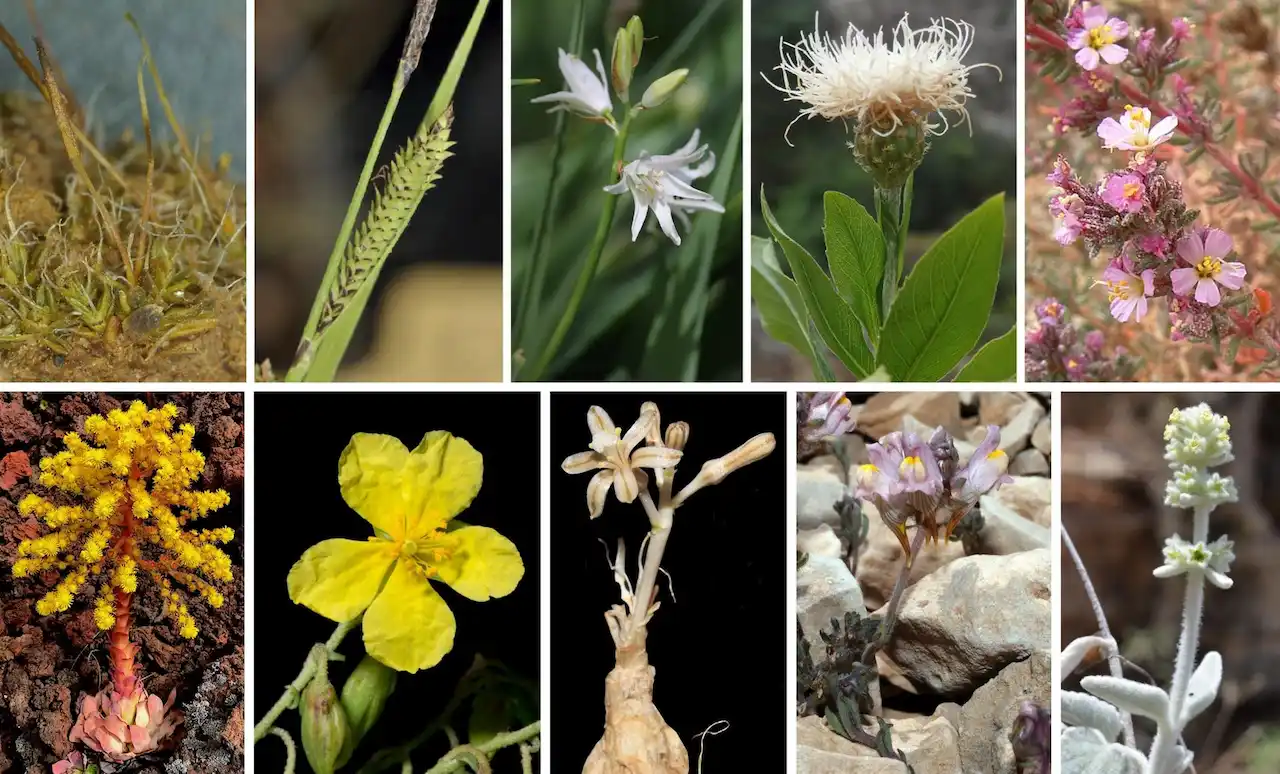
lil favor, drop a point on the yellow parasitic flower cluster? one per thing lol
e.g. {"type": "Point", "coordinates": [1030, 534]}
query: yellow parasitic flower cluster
{"type": "Point", "coordinates": [130, 478]}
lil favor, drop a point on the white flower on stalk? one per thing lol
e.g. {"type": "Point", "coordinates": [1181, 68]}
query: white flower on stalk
{"type": "Point", "coordinates": [1212, 560]}
{"type": "Point", "coordinates": [587, 95]}
{"type": "Point", "coordinates": [878, 84]}
{"type": "Point", "coordinates": [664, 184]}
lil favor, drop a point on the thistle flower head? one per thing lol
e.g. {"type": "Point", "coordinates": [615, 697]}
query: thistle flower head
{"type": "Point", "coordinates": [882, 86]}
{"type": "Point", "coordinates": [131, 481]}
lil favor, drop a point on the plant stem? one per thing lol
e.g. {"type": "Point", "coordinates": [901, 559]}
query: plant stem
{"type": "Point", "coordinates": [893, 209]}
{"type": "Point", "coordinates": [1113, 659]}
{"type": "Point", "coordinates": [292, 691]}
{"type": "Point", "coordinates": [122, 652]}
{"type": "Point", "coordinates": [538, 368]}
{"type": "Point", "coordinates": [451, 761]}
{"type": "Point", "coordinates": [649, 576]}
{"type": "Point", "coordinates": [890, 618]}
{"type": "Point", "coordinates": [290, 750]}
{"type": "Point", "coordinates": [1164, 746]}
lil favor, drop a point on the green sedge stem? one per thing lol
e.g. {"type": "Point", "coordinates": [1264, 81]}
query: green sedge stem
{"type": "Point", "coordinates": [890, 215]}
{"type": "Point", "coordinates": [536, 277]}
{"type": "Point", "coordinates": [306, 349]}
{"type": "Point", "coordinates": [292, 691]}
{"type": "Point", "coordinates": [593, 261]}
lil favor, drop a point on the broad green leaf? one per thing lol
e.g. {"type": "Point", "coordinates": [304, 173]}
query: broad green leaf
{"type": "Point", "coordinates": [781, 307]}
{"type": "Point", "coordinates": [940, 312]}
{"type": "Point", "coordinates": [997, 361]}
{"type": "Point", "coordinates": [835, 320]}
{"type": "Point", "coordinates": [855, 253]}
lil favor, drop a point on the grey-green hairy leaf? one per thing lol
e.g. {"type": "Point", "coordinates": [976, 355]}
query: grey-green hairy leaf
{"type": "Point", "coordinates": [1085, 751]}
{"type": "Point", "coordinates": [1130, 696]}
{"type": "Point", "coordinates": [1081, 709]}
{"type": "Point", "coordinates": [855, 255]}
{"type": "Point", "coordinates": [942, 309]}
{"type": "Point", "coordinates": [1203, 687]}
{"type": "Point", "coordinates": [835, 320]}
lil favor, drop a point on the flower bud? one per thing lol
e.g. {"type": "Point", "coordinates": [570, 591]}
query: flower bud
{"type": "Point", "coordinates": [677, 435]}
{"type": "Point", "coordinates": [715, 471]}
{"type": "Point", "coordinates": [622, 66]}
{"type": "Point", "coordinates": [661, 90]}
{"type": "Point", "coordinates": [364, 695]}
{"type": "Point", "coordinates": [654, 434]}
{"type": "Point", "coordinates": [891, 159]}
{"type": "Point", "coordinates": [325, 731]}
{"type": "Point", "coordinates": [635, 29]}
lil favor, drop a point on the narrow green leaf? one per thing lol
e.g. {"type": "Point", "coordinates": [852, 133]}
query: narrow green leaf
{"type": "Point", "coordinates": [835, 320]}
{"type": "Point", "coordinates": [997, 361]}
{"type": "Point", "coordinates": [855, 253]}
{"type": "Point", "coordinates": [943, 307]}
{"type": "Point", "coordinates": [782, 309]}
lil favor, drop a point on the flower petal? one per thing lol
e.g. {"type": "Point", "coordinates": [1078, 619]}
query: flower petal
{"type": "Point", "coordinates": [1183, 280]}
{"type": "Point", "coordinates": [656, 457]}
{"type": "Point", "coordinates": [598, 492]}
{"type": "Point", "coordinates": [1216, 243]}
{"type": "Point", "coordinates": [408, 627]}
{"type": "Point", "coordinates": [1191, 248]}
{"type": "Point", "coordinates": [625, 485]}
{"type": "Point", "coordinates": [1207, 292]}
{"type": "Point", "coordinates": [338, 578]}
{"type": "Point", "coordinates": [446, 473]}
{"type": "Point", "coordinates": [598, 422]}
{"type": "Point", "coordinates": [1087, 58]}
{"type": "Point", "coordinates": [370, 473]}
{"type": "Point", "coordinates": [583, 462]}
{"type": "Point", "coordinates": [482, 563]}
{"type": "Point", "coordinates": [639, 429]}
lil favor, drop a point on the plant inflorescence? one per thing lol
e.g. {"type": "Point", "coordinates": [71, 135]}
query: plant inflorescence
{"type": "Point", "coordinates": [125, 511]}
{"type": "Point", "coordinates": [120, 260]}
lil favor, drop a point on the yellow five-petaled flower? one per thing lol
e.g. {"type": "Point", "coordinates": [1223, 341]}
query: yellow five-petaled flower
{"type": "Point", "coordinates": [410, 498]}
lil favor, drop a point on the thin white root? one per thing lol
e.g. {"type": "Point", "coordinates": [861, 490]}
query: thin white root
{"type": "Point", "coordinates": [720, 727]}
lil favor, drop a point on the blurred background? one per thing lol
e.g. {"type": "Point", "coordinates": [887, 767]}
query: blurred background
{"type": "Point", "coordinates": [958, 173]}
{"type": "Point", "coordinates": [629, 290]}
{"type": "Point", "coordinates": [1112, 504]}
{"type": "Point", "coordinates": [324, 69]}
{"type": "Point", "coordinates": [199, 49]}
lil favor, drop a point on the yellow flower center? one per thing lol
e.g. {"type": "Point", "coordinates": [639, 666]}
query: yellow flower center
{"type": "Point", "coordinates": [1131, 190]}
{"type": "Point", "coordinates": [912, 467]}
{"type": "Point", "coordinates": [1208, 267]}
{"type": "Point", "coordinates": [997, 454]}
{"type": "Point", "coordinates": [1100, 37]}
{"type": "Point", "coordinates": [1072, 363]}
{"type": "Point", "coordinates": [1118, 291]}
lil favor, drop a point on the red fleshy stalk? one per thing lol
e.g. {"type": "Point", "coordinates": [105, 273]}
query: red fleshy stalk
{"type": "Point", "coordinates": [122, 651]}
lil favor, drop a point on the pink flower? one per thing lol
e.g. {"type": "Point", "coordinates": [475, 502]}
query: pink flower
{"type": "Point", "coordinates": [1127, 301]}
{"type": "Point", "coordinates": [1154, 244]}
{"type": "Point", "coordinates": [1205, 249]}
{"type": "Point", "coordinates": [1133, 130]}
{"type": "Point", "coordinates": [1181, 27]}
{"type": "Point", "coordinates": [1096, 41]}
{"type": "Point", "coordinates": [1124, 191]}
{"type": "Point", "coordinates": [1068, 226]}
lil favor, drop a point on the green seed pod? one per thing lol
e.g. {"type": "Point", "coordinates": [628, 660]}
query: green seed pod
{"type": "Point", "coordinates": [325, 731]}
{"type": "Point", "coordinates": [365, 694]}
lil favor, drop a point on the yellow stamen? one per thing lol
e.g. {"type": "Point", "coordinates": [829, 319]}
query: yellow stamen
{"type": "Point", "coordinates": [1118, 291]}
{"type": "Point", "coordinates": [1208, 267]}
{"type": "Point", "coordinates": [1131, 190]}
{"type": "Point", "coordinates": [1100, 37]}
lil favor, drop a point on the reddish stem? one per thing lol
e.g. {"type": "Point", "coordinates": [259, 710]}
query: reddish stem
{"type": "Point", "coordinates": [1252, 187]}
{"type": "Point", "coordinates": [123, 679]}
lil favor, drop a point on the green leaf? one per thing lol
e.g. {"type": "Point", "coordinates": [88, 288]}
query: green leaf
{"type": "Point", "coordinates": [781, 307]}
{"type": "Point", "coordinates": [943, 308]}
{"type": "Point", "coordinates": [855, 253]}
{"type": "Point", "coordinates": [835, 320]}
{"type": "Point", "coordinates": [997, 361]}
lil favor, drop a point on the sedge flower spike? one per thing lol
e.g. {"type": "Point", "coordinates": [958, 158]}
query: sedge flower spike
{"type": "Point", "coordinates": [586, 94]}
{"type": "Point", "coordinates": [664, 184]}
{"type": "Point", "coordinates": [411, 499]}
{"type": "Point", "coordinates": [130, 482]}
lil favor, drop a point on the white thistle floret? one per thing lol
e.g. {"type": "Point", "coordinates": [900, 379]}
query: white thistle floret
{"type": "Point", "coordinates": [878, 84]}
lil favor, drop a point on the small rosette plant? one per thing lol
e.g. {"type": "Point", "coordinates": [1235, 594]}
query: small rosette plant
{"type": "Point", "coordinates": [412, 500]}
{"type": "Point", "coordinates": [127, 501]}
{"type": "Point", "coordinates": [1196, 440]}
{"type": "Point", "coordinates": [895, 95]}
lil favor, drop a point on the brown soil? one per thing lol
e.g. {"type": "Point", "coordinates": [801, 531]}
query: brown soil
{"type": "Point", "coordinates": [46, 663]}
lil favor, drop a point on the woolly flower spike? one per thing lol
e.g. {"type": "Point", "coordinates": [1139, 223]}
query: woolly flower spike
{"type": "Point", "coordinates": [1197, 437]}
{"type": "Point", "coordinates": [1205, 250]}
{"type": "Point", "coordinates": [1133, 130]}
{"type": "Point", "coordinates": [1127, 291]}
{"type": "Point", "coordinates": [618, 460]}
{"type": "Point", "coordinates": [1096, 41]}
{"type": "Point", "coordinates": [410, 498]}
{"type": "Point", "coordinates": [133, 475]}
{"type": "Point", "coordinates": [587, 95]}
{"type": "Point", "coordinates": [1212, 560]}
{"type": "Point", "coordinates": [664, 184]}
{"type": "Point", "coordinates": [881, 86]}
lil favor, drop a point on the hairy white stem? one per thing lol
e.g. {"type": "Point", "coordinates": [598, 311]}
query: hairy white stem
{"type": "Point", "coordinates": [1164, 748]}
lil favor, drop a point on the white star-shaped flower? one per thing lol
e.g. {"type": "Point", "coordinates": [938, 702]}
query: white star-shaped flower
{"type": "Point", "coordinates": [587, 95]}
{"type": "Point", "coordinates": [1212, 560]}
{"type": "Point", "coordinates": [664, 184]}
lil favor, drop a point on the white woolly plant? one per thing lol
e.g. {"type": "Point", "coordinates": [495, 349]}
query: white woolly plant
{"type": "Point", "coordinates": [1196, 439]}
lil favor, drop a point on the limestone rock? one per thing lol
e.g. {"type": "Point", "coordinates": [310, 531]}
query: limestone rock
{"type": "Point", "coordinates": [883, 412]}
{"type": "Point", "coordinates": [1029, 496]}
{"type": "Point", "coordinates": [881, 558]}
{"type": "Point", "coordinates": [822, 541]}
{"type": "Point", "coordinates": [987, 718]}
{"type": "Point", "coordinates": [817, 492]}
{"type": "Point", "coordinates": [1042, 437]}
{"type": "Point", "coordinates": [1029, 462]}
{"type": "Point", "coordinates": [1006, 531]}
{"type": "Point", "coordinates": [825, 589]}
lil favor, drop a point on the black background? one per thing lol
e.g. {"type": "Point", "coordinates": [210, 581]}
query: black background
{"type": "Point", "coordinates": [720, 649]}
{"type": "Point", "coordinates": [298, 439]}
